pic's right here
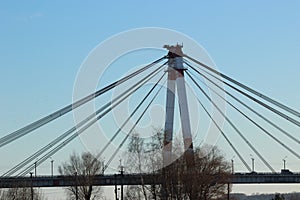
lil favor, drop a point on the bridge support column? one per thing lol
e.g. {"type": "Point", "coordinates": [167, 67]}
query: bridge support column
{"type": "Point", "coordinates": [176, 79]}
{"type": "Point", "coordinates": [168, 131]}
{"type": "Point", "coordinates": [228, 191]}
{"type": "Point", "coordinates": [176, 76]}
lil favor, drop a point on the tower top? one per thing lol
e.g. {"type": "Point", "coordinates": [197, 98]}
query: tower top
{"type": "Point", "coordinates": [174, 50]}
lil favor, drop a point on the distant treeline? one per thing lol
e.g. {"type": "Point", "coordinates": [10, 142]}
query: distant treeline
{"type": "Point", "coordinates": [288, 196]}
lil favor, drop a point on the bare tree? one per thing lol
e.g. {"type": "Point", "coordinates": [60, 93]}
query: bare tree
{"type": "Point", "coordinates": [143, 157]}
{"type": "Point", "coordinates": [86, 167]}
{"type": "Point", "coordinates": [207, 180]}
{"type": "Point", "coordinates": [278, 196]}
{"type": "Point", "coordinates": [135, 164]}
{"type": "Point", "coordinates": [21, 193]}
{"type": "Point", "coordinates": [295, 196]}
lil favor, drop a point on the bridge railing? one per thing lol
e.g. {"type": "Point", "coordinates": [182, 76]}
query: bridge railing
{"type": "Point", "coordinates": [137, 179]}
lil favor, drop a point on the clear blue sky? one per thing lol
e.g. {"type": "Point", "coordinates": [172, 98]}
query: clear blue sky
{"type": "Point", "coordinates": [43, 43]}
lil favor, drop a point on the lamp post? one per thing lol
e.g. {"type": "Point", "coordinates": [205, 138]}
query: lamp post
{"type": "Point", "coordinates": [122, 189]}
{"type": "Point", "coordinates": [232, 172]}
{"type": "Point", "coordinates": [252, 159]}
{"type": "Point", "coordinates": [232, 165]}
{"type": "Point", "coordinates": [52, 167]}
{"type": "Point", "coordinates": [116, 188]}
{"type": "Point", "coordinates": [284, 162]}
{"type": "Point", "coordinates": [76, 186]}
{"type": "Point", "coordinates": [122, 174]}
{"type": "Point", "coordinates": [35, 168]}
{"type": "Point", "coordinates": [31, 186]}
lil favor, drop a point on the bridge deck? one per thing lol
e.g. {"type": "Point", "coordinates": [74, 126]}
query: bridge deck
{"type": "Point", "coordinates": [138, 179]}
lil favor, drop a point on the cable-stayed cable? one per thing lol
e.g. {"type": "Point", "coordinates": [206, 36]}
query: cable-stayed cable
{"type": "Point", "coordinates": [45, 157]}
{"type": "Point", "coordinates": [279, 113]}
{"type": "Point", "coordinates": [246, 106]}
{"type": "Point", "coordinates": [231, 123]}
{"type": "Point", "coordinates": [140, 83]}
{"type": "Point", "coordinates": [133, 127]}
{"type": "Point", "coordinates": [74, 135]}
{"type": "Point", "coordinates": [69, 139]}
{"type": "Point", "coordinates": [126, 121]}
{"type": "Point", "coordinates": [270, 100]}
{"type": "Point", "coordinates": [268, 133]}
{"type": "Point", "coordinates": [225, 137]}
{"type": "Point", "coordinates": [39, 123]}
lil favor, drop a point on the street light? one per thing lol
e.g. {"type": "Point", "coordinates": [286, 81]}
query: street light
{"type": "Point", "coordinates": [76, 185]}
{"type": "Point", "coordinates": [252, 158]}
{"type": "Point", "coordinates": [31, 186]}
{"type": "Point", "coordinates": [51, 166]}
{"type": "Point", "coordinates": [35, 168]}
{"type": "Point", "coordinates": [284, 162]}
{"type": "Point", "coordinates": [122, 174]}
{"type": "Point", "coordinates": [232, 165]}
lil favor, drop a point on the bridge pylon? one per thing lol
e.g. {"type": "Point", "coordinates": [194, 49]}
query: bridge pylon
{"type": "Point", "coordinates": [175, 82]}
